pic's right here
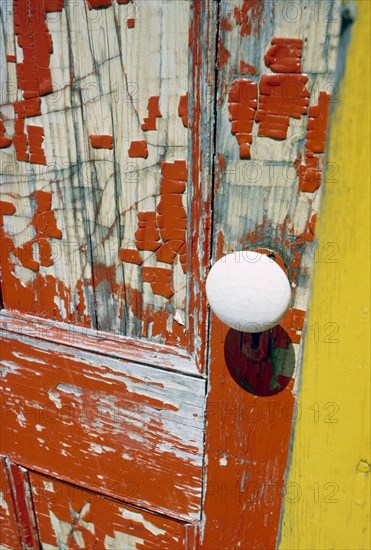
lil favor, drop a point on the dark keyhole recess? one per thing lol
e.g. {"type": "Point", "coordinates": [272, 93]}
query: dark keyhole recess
{"type": "Point", "coordinates": [255, 339]}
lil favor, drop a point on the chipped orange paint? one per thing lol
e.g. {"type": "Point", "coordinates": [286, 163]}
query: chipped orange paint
{"type": "Point", "coordinates": [160, 280]}
{"type": "Point", "coordinates": [284, 55]}
{"type": "Point", "coordinates": [163, 231]}
{"type": "Point", "coordinates": [183, 110]}
{"type": "Point", "coordinates": [309, 231]}
{"type": "Point", "coordinates": [159, 320]}
{"type": "Point", "coordinates": [242, 457]}
{"type": "Point", "coordinates": [276, 106]}
{"type": "Point", "coordinates": [154, 112]}
{"type": "Point", "coordinates": [9, 532]}
{"type": "Point", "coordinates": [138, 149]}
{"type": "Point", "coordinates": [201, 41]}
{"type": "Point", "coordinates": [101, 141]}
{"type": "Point", "coordinates": [96, 4]}
{"type": "Point", "coordinates": [101, 522]}
{"type": "Point", "coordinates": [293, 323]}
{"type": "Point", "coordinates": [242, 104]}
{"type": "Point", "coordinates": [45, 224]}
{"type": "Point", "coordinates": [310, 173]}
{"type": "Point", "coordinates": [38, 296]}
{"type": "Point", "coordinates": [246, 68]}
{"type": "Point", "coordinates": [27, 107]}
{"type": "Point", "coordinates": [104, 415]}
{"type": "Point", "coordinates": [130, 23]}
{"type": "Point", "coordinates": [6, 209]}
{"type": "Point", "coordinates": [130, 255]}
{"type": "Point", "coordinates": [317, 124]}
{"type": "Point", "coordinates": [35, 140]}
{"type": "Point", "coordinates": [4, 141]}
{"type": "Point", "coordinates": [33, 73]}
{"type": "Point", "coordinates": [248, 16]}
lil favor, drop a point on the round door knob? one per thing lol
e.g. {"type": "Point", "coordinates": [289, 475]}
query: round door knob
{"type": "Point", "coordinates": [248, 291]}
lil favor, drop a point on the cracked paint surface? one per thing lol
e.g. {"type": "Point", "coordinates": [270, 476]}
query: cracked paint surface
{"type": "Point", "coordinates": [64, 118]}
{"type": "Point", "coordinates": [138, 428]}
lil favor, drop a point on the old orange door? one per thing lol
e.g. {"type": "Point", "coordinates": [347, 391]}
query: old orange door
{"type": "Point", "coordinates": [140, 140]}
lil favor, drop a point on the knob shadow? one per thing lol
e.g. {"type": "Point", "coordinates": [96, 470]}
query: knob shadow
{"type": "Point", "coordinates": [263, 364]}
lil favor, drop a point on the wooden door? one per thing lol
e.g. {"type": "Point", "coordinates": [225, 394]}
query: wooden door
{"type": "Point", "coordinates": [142, 140]}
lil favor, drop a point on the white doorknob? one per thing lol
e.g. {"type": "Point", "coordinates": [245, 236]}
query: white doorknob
{"type": "Point", "coordinates": [248, 291]}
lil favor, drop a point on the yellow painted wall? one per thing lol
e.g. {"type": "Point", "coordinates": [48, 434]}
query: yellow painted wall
{"type": "Point", "coordinates": [327, 502]}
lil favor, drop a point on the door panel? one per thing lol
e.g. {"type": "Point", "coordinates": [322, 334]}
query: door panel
{"type": "Point", "coordinates": [103, 207]}
{"type": "Point", "coordinates": [276, 65]}
{"type": "Point", "coordinates": [69, 517]}
{"type": "Point", "coordinates": [126, 429]}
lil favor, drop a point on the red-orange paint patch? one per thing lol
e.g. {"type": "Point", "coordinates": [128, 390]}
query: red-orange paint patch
{"type": "Point", "coordinates": [292, 323]}
{"type": "Point", "coordinates": [183, 110]}
{"type": "Point", "coordinates": [154, 112]}
{"type": "Point", "coordinates": [242, 103]}
{"type": "Point", "coordinates": [282, 96]}
{"type": "Point", "coordinates": [33, 72]}
{"type": "Point", "coordinates": [45, 224]}
{"type": "Point", "coordinates": [101, 141]}
{"type": "Point", "coordinates": [246, 68]}
{"type": "Point", "coordinates": [163, 231]}
{"type": "Point", "coordinates": [130, 23]}
{"type": "Point", "coordinates": [35, 140]}
{"type": "Point", "coordinates": [28, 146]}
{"type": "Point", "coordinates": [284, 55]}
{"type": "Point", "coordinates": [96, 4]}
{"type": "Point", "coordinates": [9, 535]}
{"type": "Point", "coordinates": [130, 255]}
{"type": "Point", "coordinates": [138, 149]}
{"type": "Point", "coordinates": [4, 141]}
{"type": "Point", "coordinates": [310, 173]}
{"type": "Point", "coordinates": [6, 209]}
{"type": "Point", "coordinates": [317, 124]}
{"type": "Point", "coordinates": [160, 280]}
